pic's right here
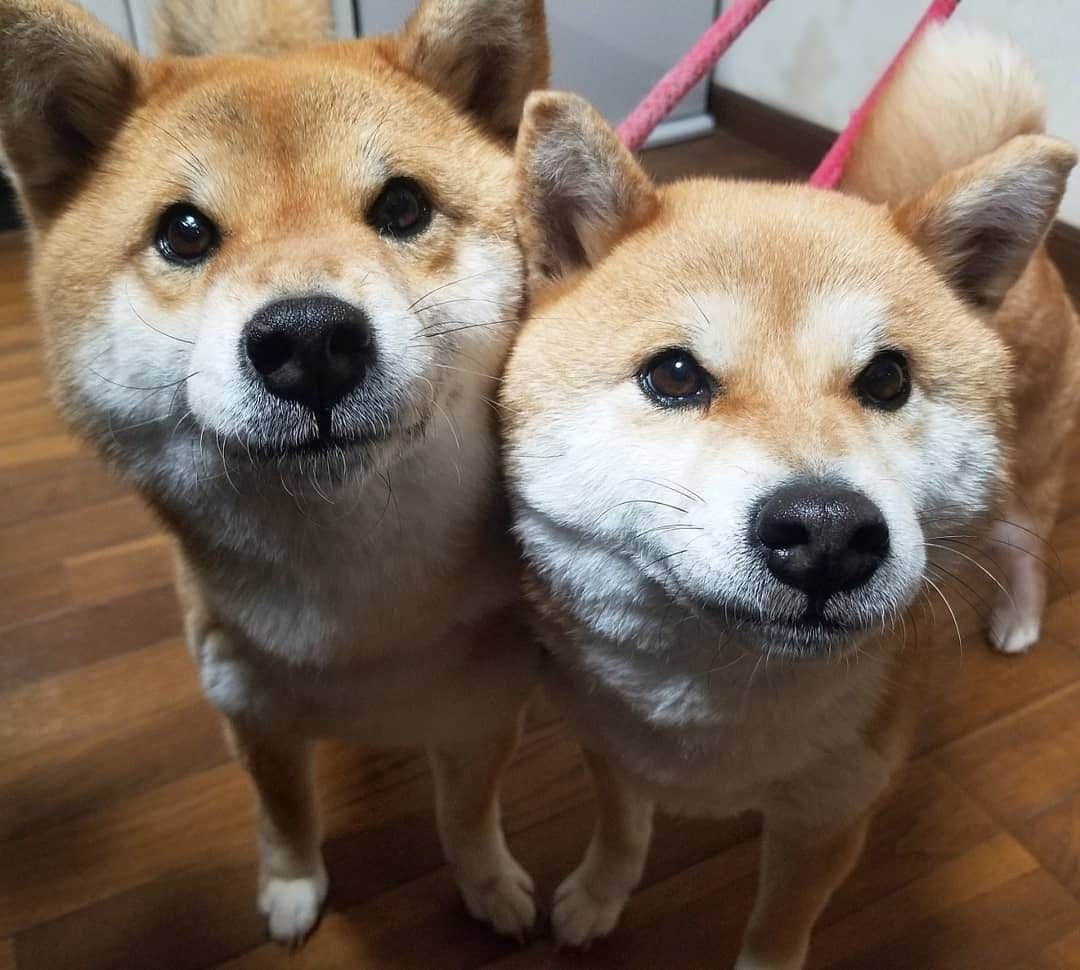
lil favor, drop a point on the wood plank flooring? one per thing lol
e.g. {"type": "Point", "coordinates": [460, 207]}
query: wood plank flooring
{"type": "Point", "coordinates": [127, 836]}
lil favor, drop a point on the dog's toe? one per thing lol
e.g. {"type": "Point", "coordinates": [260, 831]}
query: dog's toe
{"type": "Point", "coordinates": [1013, 632]}
{"type": "Point", "coordinates": [578, 917]}
{"type": "Point", "coordinates": [503, 900]}
{"type": "Point", "coordinates": [291, 906]}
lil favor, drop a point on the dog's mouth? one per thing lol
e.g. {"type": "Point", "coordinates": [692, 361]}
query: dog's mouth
{"type": "Point", "coordinates": [808, 635]}
{"type": "Point", "coordinates": [811, 633]}
{"type": "Point", "coordinates": [342, 444]}
{"type": "Point", "coordinates": [313, 447]}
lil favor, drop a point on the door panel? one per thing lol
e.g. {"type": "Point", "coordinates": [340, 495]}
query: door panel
{"type": "Point", "coordinates": [113, 14]}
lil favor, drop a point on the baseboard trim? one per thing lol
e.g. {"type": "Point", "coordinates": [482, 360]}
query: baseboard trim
{"type": "Point", "coordinates": [803, 144]}
{"type": "Point", "coordinates": [800, 142]}
{"type": "Point", "coordinates": [681, 129]}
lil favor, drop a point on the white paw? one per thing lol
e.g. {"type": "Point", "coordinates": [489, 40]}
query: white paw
{"type": "Point", "coordinates": [503, 899]}
{"type": "Point", "coordinates": [291, 906]}
{"type": "Point", "coordinates": [1013, 632]}
{"type": "Point", "coordinates": [578, 917]}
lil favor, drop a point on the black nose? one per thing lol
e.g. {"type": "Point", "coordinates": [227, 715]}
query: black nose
{"type": "Point", "coordinates": [821, 538]}
{"type": "Point", "coordinates": [312, 349]}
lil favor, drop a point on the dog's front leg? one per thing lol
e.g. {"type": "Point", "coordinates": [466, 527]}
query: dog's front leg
{"type": "Point", "coordinates": [1019, 548]}
{"type": "Point", "coordinates": [292, 877]}
{"type": "Point", "coordinates": [800, 868]}
{"type": "Point", "coordinates": [496, 889]}
{"type": "Point", "coordinates": [591, 899]}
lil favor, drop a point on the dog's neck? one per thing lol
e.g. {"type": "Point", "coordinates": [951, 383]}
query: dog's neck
{"type": "Point", "coordinates": [312, 564]}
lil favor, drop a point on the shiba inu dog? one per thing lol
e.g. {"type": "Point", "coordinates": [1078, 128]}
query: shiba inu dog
{"type": "Point", "coordinates": [276, 291]}
{"type": "Point", "coordinates": [899, 153]}
{"type": "Point", "coordinates": [738, 420]}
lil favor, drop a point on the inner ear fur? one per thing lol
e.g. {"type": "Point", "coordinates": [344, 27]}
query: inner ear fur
{"type": "Point", "coordinates": [579, 188]}
{"type": "Point", "coordinates": [66, 85]}
{"type": "Point", "coordinates": [485, 55]}
{"type": "Point", "coordinates": [979, 225]}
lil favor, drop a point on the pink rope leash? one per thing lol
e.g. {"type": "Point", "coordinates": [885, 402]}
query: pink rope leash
{"type": "Point", "coordinates": [831, 168]}
{"type": "Point", "coordinates": [691, 68]}
{"type": "Point", "coordinates": [725, 30]}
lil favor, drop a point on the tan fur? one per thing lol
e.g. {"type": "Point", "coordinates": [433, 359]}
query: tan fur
{"type": "Point", "coordinates": [636, 517]}
{"type": "Point", "coordinates": [196, 27]}
{"type": "Point", "coordinates": [369, 592]}
{"type": "Point", "coordinates": [982, 91]}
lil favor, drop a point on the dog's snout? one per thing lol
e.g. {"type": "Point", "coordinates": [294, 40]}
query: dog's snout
{"type": "Point", "coordinates": [313, 349]}
{"type": "Point", "coordinates": [821, 538]}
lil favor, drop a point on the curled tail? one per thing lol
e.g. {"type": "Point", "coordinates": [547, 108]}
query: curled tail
{"type": "Point", "coordinates": [194, 27]}
{"type": "Point", "coordinates": [960, 93]}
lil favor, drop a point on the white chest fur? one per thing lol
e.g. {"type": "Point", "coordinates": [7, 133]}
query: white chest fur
{"type": "Point", "coordinates": [392, 560]}
{"type": "Point", "coordinates": [713, 729]}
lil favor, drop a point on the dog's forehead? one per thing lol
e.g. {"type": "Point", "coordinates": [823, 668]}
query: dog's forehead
{"type": "Point", "coordinates": [296, 109]}
{"type": "Point", "coordinates": [778, 241]}
{"type": "Point", "coordinates": [312, 135]}
{"type": "Point", "coordinates": [821, 330]}
{"type": "Point", "coordinates": [741, 274]}
{"type": "Point", "coordinates": [312, 106]}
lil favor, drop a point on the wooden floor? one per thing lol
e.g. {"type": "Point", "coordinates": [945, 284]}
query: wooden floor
{"type": "Point", "coordinates": [126, 835]}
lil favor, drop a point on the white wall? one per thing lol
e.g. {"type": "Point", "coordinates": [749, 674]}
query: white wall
{"type": "Point", "coordinates": [818, 58]}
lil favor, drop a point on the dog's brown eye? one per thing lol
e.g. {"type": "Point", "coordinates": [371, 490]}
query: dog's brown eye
{"type": "Point", "coordinates": [884, 382]}
{"type": "Point", "coordinates": [401, 210]}
{"type": "Point", "coordinates": [185, 235]}
{"type": "Point", "coordinates": [673, 378]}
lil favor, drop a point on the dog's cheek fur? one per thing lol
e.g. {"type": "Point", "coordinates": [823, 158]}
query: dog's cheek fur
{"type": "Point", "coordinates": [80, 294]}
{"type": "Point", "coordinates": [620, 501]}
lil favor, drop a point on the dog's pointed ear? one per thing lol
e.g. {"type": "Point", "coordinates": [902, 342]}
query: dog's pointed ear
{"type": "Point", "coordinates": [579, 188]}
{"type": "Point", "coordinates": [485, 55]}
{"type": "Point", "coordinates": [66, 85]}
{"type": "Point", "coordinates": [980, 225]}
